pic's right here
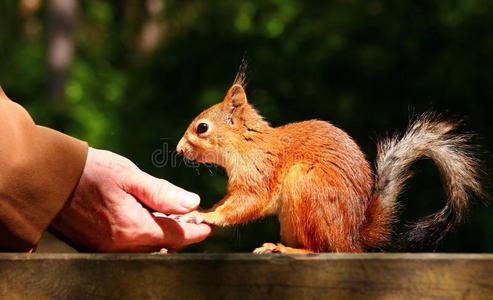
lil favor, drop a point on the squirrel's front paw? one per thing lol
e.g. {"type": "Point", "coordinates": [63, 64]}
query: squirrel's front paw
{"type": "Point", "coordinates": [193, 217]}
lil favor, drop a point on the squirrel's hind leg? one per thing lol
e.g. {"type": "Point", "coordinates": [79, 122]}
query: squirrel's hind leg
{"type": "Point", "coordinates": [278, 248]}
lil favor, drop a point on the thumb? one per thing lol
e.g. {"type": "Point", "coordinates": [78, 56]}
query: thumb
{"type": "Point", "coordinates": [160, 194]}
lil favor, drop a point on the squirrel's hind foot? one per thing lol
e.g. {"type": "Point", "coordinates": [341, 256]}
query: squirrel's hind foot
{"type": "Point", "coordinates": [278, 248]}
{"type": "Point", "coordinates": [266, 248]}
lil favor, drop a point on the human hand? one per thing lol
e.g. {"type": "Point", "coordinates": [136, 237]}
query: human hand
{"type": "Point", "coordinates": [104, 212]}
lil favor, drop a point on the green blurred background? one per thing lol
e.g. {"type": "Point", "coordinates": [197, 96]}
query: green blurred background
{"type": "Point", "coordinates": [129, 76]}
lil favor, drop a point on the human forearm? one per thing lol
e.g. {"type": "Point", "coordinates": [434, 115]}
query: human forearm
{"type": "Point", "coordinates": [39, 169]}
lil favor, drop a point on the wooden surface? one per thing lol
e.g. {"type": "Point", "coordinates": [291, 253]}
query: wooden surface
{"type": "Point", "coordinates": [246, 276]}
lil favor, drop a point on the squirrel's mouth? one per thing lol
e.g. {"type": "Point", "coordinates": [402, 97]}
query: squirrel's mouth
{"type": "Point", "coordinates": [189, 154]}
{"type": "Point", "coordinates": [204, 158]}
{"type": "Point", "coordinates": [188, 151]}
{"type": "Point", "coordinates": [183, 149]}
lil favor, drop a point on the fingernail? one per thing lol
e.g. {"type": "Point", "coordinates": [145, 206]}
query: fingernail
{"type": "Point", "coordinates": [190, 201]}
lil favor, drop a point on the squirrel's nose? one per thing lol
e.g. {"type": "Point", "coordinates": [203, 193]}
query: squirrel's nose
{"type": "Point", "coordinates": [180, 146]}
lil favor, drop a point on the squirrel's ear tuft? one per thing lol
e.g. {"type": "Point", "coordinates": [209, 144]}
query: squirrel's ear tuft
{"type": "Point", "coordinates": [242, 73]}
{"type": "Point", "coordinates": [236, 97]}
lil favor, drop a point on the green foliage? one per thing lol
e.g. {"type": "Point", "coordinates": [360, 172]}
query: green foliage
{"type": "Point", "coordinates": [364, 65]}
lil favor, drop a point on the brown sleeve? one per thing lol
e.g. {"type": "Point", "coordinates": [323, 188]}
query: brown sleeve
{"type": "Point", "coordinates": [39, 168]}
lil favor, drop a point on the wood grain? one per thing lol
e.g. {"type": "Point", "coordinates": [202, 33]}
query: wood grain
{"type": "Point", "coordinates": [246, 276]}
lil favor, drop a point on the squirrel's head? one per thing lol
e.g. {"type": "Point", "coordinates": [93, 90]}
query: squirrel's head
{"type": "Point", "coordinates": [223, 130]}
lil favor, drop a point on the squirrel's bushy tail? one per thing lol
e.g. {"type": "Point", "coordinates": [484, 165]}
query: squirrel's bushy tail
{"type": "Point", "coordinates": [428, 136]}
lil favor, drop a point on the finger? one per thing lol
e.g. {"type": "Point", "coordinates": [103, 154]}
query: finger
{"type": "Point", "coordinates": [160, 194]}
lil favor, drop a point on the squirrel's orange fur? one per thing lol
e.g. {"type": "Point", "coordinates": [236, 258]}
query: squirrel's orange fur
{"type": "Point", "coordinates": [313, 176]}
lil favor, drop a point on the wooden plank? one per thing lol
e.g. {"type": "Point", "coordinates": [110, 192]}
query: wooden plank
{"type": "Point", "coordinates": [246, 276]}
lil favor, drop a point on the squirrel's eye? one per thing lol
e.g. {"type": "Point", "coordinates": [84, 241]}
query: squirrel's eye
{"type": "Point", "coordinates": [203, 127]}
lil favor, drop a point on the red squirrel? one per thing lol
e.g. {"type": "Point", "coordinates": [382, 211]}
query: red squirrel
{"type": "Point", "coordinates": [315, 178]}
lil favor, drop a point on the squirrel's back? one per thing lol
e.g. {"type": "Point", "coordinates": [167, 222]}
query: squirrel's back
{"type": "Point", "coordinates": [320, 142]}
{"type": "Point", "coordinates": [323, 145]}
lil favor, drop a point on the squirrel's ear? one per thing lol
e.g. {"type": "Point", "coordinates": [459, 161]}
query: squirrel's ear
{"type": "Point", "coordinates": [234, 102]}
{"type": "Point", "coordinates": [235, 97]}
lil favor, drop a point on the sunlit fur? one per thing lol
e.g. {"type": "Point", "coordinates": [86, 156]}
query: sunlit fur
{"type": "Point", "coordinates": [315, 178]}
